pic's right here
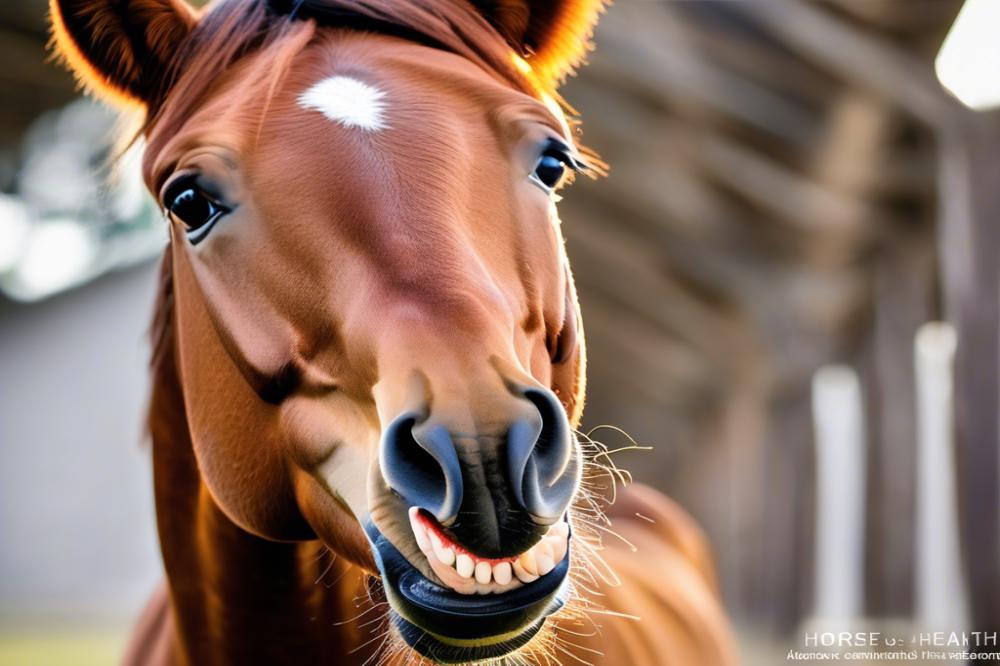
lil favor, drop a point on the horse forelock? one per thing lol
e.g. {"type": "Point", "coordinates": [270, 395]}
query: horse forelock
{"type": "Point", "coordinates": [231, 30]}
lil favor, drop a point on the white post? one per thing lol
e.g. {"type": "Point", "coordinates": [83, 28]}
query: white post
{"type": "Point", "coordinates": [840, 494]}
{"type": "Point", "coordinates": [940, 593]}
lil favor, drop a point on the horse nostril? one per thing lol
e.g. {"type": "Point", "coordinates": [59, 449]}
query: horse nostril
{"type": "Point", "coordinates": [543, 472]}
{"type": "Point", "coordinates": [420, 463]}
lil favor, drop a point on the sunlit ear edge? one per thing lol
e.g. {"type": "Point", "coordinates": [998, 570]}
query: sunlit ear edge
{"type": "Point", "coordinates": [90, 79]}
{"type": "Point", "coordinates": [66, 51]}
{"type": "Point", "coordinates": [566, 42]}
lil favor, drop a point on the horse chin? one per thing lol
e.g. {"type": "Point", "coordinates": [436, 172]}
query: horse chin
{"type": "Point", "coordinates": [449, 627]}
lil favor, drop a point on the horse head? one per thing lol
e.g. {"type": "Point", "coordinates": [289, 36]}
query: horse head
{"type": "Point", "coordinates": [377, 333]}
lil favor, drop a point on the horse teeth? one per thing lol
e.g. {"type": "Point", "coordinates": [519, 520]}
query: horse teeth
{"type": "Point", "coordinates": [523, 575]}
{"type": "Point", "coordinates": [465, 566]}
{"type": "Point", "coordinates": [502, 573]}
{"type": "Point", "coordinates": [544, 557]}
{"type": "Point", "coordinates": [559, 548]}
{"type": "Point", "coordinates": [419, 530]}
{"type": "Point", "coordinates": [529, 566]}
{"type": "Point", "coordinates": [559, 529]}
{"type": "Point", "coordinates": [445, 554]}
{"type": "Point", "coordinates": [527, 562]}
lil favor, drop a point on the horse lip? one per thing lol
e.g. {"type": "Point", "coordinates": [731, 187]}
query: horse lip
{"type": "Point", "coordinates": [434, 609]}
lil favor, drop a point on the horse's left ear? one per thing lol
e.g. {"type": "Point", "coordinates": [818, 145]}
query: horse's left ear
{"type": "Point", "coordinates": [553, 35]}
{"type": "Point", "coordinates": [120, 49]}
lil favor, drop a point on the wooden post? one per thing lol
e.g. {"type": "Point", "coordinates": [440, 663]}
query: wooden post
{"type": "Point", "coordinates": [940, 590]}
{"type": "Point", "coordinates": [840, 494]}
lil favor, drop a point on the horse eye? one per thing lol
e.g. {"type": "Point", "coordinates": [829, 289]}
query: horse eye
{"type": "Point", "coordinates": [551, 169]}
{"type": "Point", "coordinates": [195, 209]}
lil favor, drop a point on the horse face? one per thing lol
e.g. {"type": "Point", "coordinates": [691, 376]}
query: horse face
{"type": "Point", "coordinates": [380, 260]}
{"type": "Point", "coordinates": [377, 330]}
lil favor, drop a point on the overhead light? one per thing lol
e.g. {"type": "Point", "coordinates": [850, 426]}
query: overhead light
{"type": "Point", "coordinates": [968, 64]}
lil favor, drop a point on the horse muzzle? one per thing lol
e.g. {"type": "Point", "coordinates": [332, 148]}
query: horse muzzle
{"type": "Point", "coordinates": [449, 627]}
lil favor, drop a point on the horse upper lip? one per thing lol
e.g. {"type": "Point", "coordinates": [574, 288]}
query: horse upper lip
{"type": "Point", "coordinates": [466, 573]}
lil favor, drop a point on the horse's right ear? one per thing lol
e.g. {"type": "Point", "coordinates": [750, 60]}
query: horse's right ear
{"type": "Point", "coordinates": [120, 49]}
{"type": "Point", "coordinates": [554, 35]}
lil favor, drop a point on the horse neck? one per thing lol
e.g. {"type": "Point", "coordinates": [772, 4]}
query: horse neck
{"type": "Point", "coordinates": [235, 597]}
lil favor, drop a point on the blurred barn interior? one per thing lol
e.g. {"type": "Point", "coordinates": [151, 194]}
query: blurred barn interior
{"type": "Point", "coordinates": [790, 188]}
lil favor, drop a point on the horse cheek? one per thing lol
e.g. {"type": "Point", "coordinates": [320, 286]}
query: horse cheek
{"type": "Point", "coordinates": [236, 436]}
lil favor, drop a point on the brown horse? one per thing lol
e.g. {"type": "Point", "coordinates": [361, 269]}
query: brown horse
{"type": "Point", "coordinates": [368, 359]}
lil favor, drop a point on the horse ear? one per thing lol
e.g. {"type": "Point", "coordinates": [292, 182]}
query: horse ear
{"type": "Point", "coordinates": [120, 49]}
{"type": "Point", "coordinates": [553, 35]}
